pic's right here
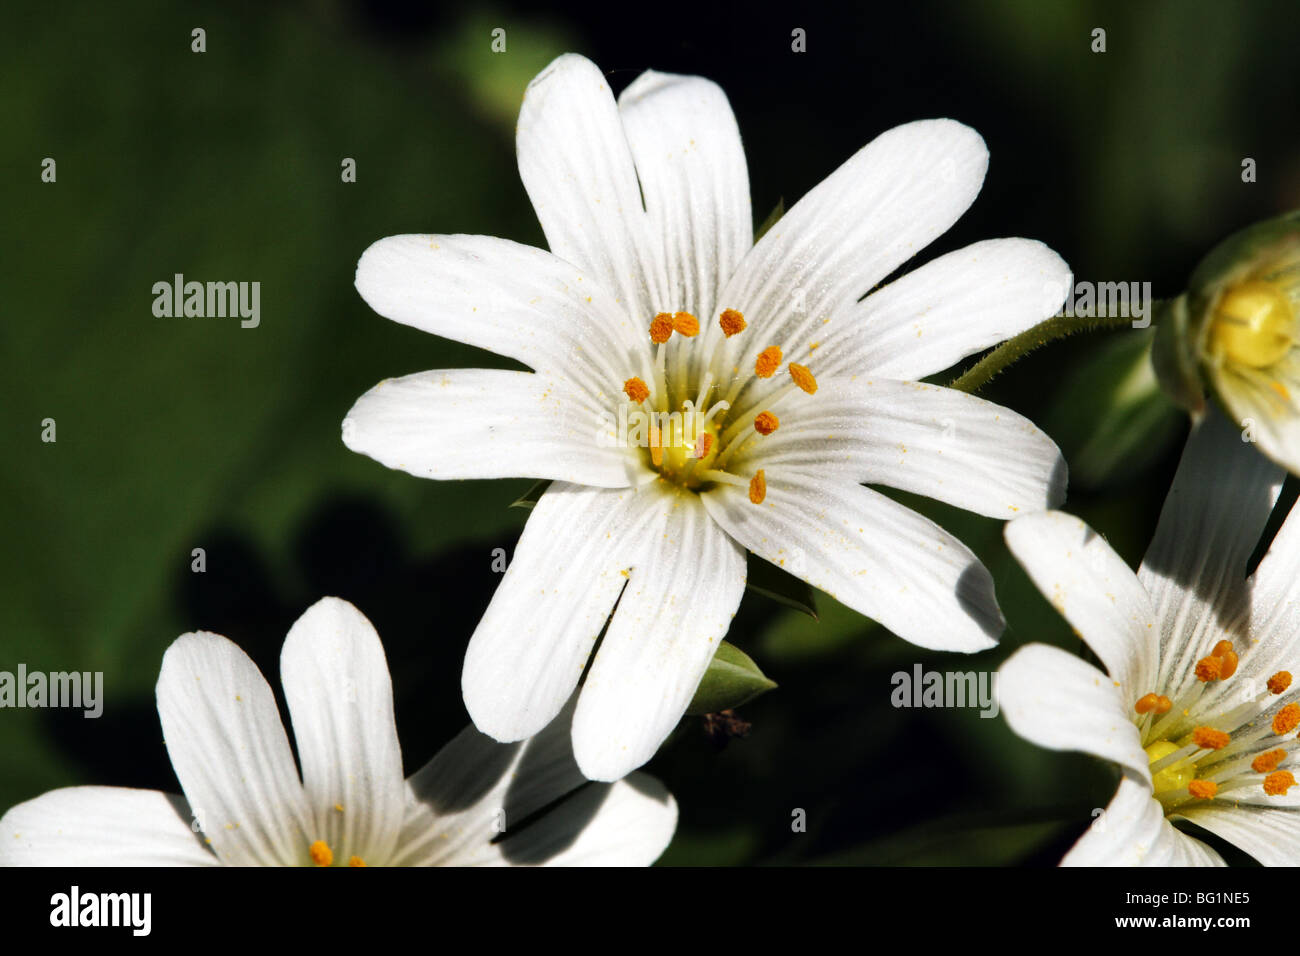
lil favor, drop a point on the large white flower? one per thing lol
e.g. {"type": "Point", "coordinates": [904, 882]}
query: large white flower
{"type": "Point", "coordinates": [478, 802]}
{"type": "Point", "coordinates": [694, 395]}
{"type": "Point", "coordinates": [1197, 704]}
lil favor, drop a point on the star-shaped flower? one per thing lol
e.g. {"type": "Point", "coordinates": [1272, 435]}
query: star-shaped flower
{"type": "Point", "coordinates": [1197, 703]}
{"type": "Point", "coordinates": [478, 802]}
{"type": "Point", "coordinates": [694, 395]}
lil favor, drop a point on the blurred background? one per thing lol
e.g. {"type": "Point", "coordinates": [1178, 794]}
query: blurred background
{"type": "Point", "coordinates": [175, 434]}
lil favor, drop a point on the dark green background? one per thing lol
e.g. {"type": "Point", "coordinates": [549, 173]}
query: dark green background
{"type": "Point", "coordinates": [183, 433]}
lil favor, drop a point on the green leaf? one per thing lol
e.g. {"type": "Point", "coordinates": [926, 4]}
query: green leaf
{"type": "Point", "coordinates": [732, 679]}
{"type": "Point", "coordinates": [771, 220]}
{"type": "Point", "coordinates": [781, 586]}
{"type": "Point", "coordinates": [530, 497]}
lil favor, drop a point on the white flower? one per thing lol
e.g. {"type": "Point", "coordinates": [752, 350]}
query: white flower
{"type": "Point", "coordinates": [245, 804]}
{"type": "Point", "coordinates": [1197, 705]}
{"type": "Point", "coordinates": [777, 390]}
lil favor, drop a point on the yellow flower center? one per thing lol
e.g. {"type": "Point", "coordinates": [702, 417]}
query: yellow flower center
{"type": "Point", "coordinates": [1253, 325]}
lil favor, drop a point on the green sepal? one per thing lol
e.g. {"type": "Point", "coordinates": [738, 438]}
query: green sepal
{"type": "Point", "coordinates": [765, 578]}
{"type": "Point", "coordinates": [733, 679]}
{"type": "Point", "coordinates": [530, 497]}
{"type": "Point", "coordinates": [771, 220]}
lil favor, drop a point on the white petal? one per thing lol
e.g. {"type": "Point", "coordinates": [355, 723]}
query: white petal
{"type": "Point", "coordinates": [692, 171]}
{"type": "Point", "coordinates": [933, 441]}
{"type": "Point", "coordinates": [576, 165]}
{"type": "Point", "coordinates": [1270, 835]}
{"type": "Point", "coordinates": [483, 423]}
{"type": "Point", "coordinates": [1134, 832]}
{"type": "Point", "coordinates": [1092, 587]}
{"type": "Point", "coordinates": [945, 310]}
{"type": "Point", "coordinates": [881, 207]}
{"type": "Point", "coordinates": [684, 590]}
{"type": "Point", "coordinates": [102, 826]}
{"type": "Point", "coordinates": [1060, 702]}
{"type": "Point", "coordinates": [1275, 605]}
{"type": "Point", "coordinates": [231, 755]}
{"type": "Point", "coordinates": [511, 299]}
{"type": "Point", "coordinates": [1195, 567]}
{"type": "Point", "coordinates": [340, 698]}
{"type": "Point", "coordinates": [869, 552]}
{"type": "Point", "coordinates": [532, 644]}
{"type": "Point", "coordinates": [627, 823]}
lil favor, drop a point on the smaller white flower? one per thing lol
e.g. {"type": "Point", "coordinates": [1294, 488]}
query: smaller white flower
{"type": "Point", "coordinates": [1198, 705]}
{"type": "Point", "coordinates": [476, 803]}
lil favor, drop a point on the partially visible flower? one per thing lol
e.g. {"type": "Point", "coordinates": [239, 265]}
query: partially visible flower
{"type": "Point", "coordinates": [245, 804]}
{"type": "Point", "coordinates": [1237, 328]}
{"type": "Point", "coordinates": [1197, 704]}
{"type": "Point", "coordinates": [695, 395]}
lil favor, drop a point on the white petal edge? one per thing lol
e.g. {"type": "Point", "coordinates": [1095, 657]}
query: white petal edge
{"type": "Point", "coordinates": [1132, 831]}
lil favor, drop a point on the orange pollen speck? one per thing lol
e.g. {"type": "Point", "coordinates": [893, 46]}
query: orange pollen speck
{"type": "Point", "coordinates": [1147, 703]}
{"type": "Point", "coordinates": [661, 328]}
{"type": "Point", "coordinates": [758, 487]}
{"type": "Point", "coordinates": [765, 423]}
{"type": "Point", "coordinates": [732, 322]}
{"type": "Point", "coordinates": [1203, 789]}
{"type": "Point", "coordinates": [1267, 762]}
{"type": "Point", "coordinates": [1209, 668]}
{"type": "Point", "coordinates": [1287, 719]}
{"type": "Point", "coordinates": [1207, 738]}
{"type": "Point", "coordinates": [703, 444]}
{"type": "Point", "coordinates": [636, 390]}
{"type": "Point", "coordinates": [803, 378]}
{"type": "Point", "coordinates": [686, 324]}
{"type": "Point", "coordinates": [356, 861]}
{"type": "Point", "coordinates": [1279, 682]}
{"type": "Point", "coordinates": [321, 854]}
{"type": "Point", "coordinates": [1278, 782]}
{"type": "Point", "coordinates": [768, 361]}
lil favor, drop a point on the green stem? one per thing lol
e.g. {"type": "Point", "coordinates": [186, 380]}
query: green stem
{"type": "Point", "coordinates": [1014, 349]}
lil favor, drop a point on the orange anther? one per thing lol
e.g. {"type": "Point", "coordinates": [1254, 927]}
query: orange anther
{"type": "Point", "coordinates": [1221, 648]}
{"type": "Point", "coordinates": [1209, 668]}
{"type": "Point", "coordinates": [703, 444]}
{"type": "Point", "coordinates": [1203, 789]}
{"type": "Point", "coordinates": [1207, 738]}
{"type": "Point", "coordinates": [686, 324]}
{"type": "Point", "coordinates": [758, 487]}
{"type": "Point", "coordinates": [765, 423]}
{"type": "Point", "coordinates": [636, 390]}
{"type": "Point", "coordinates": [321, 854]}
{"type": "Point", "coordinates": [803, 378]}
{"type": "Point", "coordinates": [1267, 762]}
{"type": "Point", "coordinates": [732, 322]}
{"type": "Point", "coordinates": [1278, 782]}
{"type": "Point", "coordinates": [1279, 682]}
{"type": "Point", "coordinates": [661, 328]}
{"type": "Point", "coordinates": [1164, 705]}
{"type": "Point", "coordinates": [1287, 719]}
{"type": "Point", "coordinates": [356, 861]}
{"type": "Point", "coordinates": [1147, 703]}
{"type": "Point", "coordinates": [768, 361]}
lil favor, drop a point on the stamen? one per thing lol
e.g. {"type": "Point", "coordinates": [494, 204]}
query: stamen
{"type": "Point", "coordinates": [321, 854]}
{"type": "Point", "coordinates": [703, 444]}
{"type": "Point", "coordinates": [1279, 682]}
{"type": "Point", "coordinates": [1207, 738]}
{"type": "Point", "coordinates": [685, 324]}
{"type": "Point", "coordinates": [732, 322]}
{"type": "Point", "coordinates": [656, 446]}
{"type": "Point", "coordinates": [1267, 762]}
{"type": "Point", "coordinates": [765, 423]}
{"type": "Point", "coordinates": [1163, 704]}
{"type": "Point", "coordinates": [758, 487]}
{"type": "Point", "coordinates": [356, 861]}
{"type": "Point", "coordinates": [636, 390]}
{"type": "Point", "coordinates": [1209, 669]}
{"type": "Point", "coordinates": [803, 378]}
{"type": "Point", "coordinates": [768, 361]}
{"type": "Point", "coordinates": [1202, 789]}
{"type": "Point", "coordinates": [1287, 719]}
{"type": "Point", "coordinates": [661, 328]}
{"type": "Point", "coordinates": [1278, 783]}
{"type": "Point", "coordinates": [1153, 703]}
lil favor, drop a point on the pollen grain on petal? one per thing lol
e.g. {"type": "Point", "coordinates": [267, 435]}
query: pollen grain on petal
{"type": "Point", "coordinates": [321, 854]}
{"type": "Point", "coordinates": [1279, 682]}
{"type": "Point", "coordinates": [758, 487]}
{"type": "Point", "coordinates": [686, 324]}
{"type": "Point", "coordinates": [803, 378]}
{"type": "Point", "coordinates": [1278, 782]}
{"type": "Point", "coordinates": [661, 328]}
{"type": "Point", "coordinates": [1267, 762]}
{"type": "Point", "coordinates": [356, 861]}
{"type": "Point", "coordinates": [765, 423]}
{"type": "Point", "coordinates": [636, 390]}
{"type": "Point", "coordinates": [1202, 789]}
{"type": "Point", "coordinates": [768, 361]}
{"type": "Point", "coordinates": [732, 322]}
{"type": "Point", "coordinates": [1207, 738]}
{"type": "Point", "coordinates": [1287, 719]}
